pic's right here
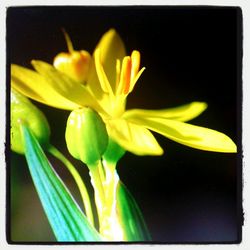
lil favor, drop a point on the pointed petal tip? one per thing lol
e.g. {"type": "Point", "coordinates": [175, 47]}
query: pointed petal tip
{"type": "Point", "coordinates": [227, 145]}
{"type": "Point", "coordinates": [199, 106]}
{"type": "Point", "coordinates": [111, 31]}
{"type": "Point", "coordinates": [36, 62]}
{"type": "Point", "coordinates": [157, 151]}
{"type": "Point", "coordinates": [160, 152]}
{"type": "Point", "coordinates": [202, 104]}
{"type": "Point", "coordinates": [33, 61]}
{"type": "Point", "coordinates": [110, 34]}
{"type": "Point", "coordinates": [231, 148]}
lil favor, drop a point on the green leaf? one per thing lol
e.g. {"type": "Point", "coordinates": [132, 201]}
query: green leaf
{"type": "Point", "coordinates": [130, 216]}
{"type": "Point", "coordinates": [66, 219]}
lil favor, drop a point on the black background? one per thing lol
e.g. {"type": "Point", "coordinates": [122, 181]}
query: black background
{"type": "Point", "coordinates": [190, 54]}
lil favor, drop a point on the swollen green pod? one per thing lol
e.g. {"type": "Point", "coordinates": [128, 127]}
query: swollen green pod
{"type": "Point", "coordinates": [86, 135]}
{"type": "Point", "coordinates": [23, 111]}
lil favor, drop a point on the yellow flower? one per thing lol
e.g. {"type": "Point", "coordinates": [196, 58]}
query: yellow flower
{"type": "Point", "coordinates": [109, 80]}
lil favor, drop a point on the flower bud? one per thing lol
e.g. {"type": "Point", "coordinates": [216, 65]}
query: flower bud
{"type": "Point", "coordinates": [23, 111]}
{"type": "Point", "coordinates": [86, 135]}
{"type": "Point", "coordinates": [75, 64]}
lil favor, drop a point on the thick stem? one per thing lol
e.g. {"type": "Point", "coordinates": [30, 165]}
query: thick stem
{"type": "Point", "coordinates": [82, 188]}
{"type": "Point", "coordinates": [96, 180]}
{"type": "Point", "coordinates": [113, 228]}
{"type": "Point", "coordinates": [105, 197]}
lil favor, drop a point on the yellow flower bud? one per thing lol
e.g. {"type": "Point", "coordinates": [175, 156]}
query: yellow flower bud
{"type": "Point", "coordinates": [23, 111]}
{"type": "Point", "coordinates": [86, 135]}
{"type": "Point", "coordinates": [75, 64]}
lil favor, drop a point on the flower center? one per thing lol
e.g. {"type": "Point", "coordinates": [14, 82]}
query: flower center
{"type": "Point", "coordinates": [127, 73]}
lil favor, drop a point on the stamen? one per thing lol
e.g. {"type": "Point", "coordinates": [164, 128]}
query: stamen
{"type": "Point", "coordinates": [125, 76]}
{"type": "Point", "coordinates": [118, 73]}
{"type": "Point", "coordinates": [135, 58]}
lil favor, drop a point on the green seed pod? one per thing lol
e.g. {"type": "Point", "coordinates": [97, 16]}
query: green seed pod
{"type": "Point", "coordinates": [23, 111]}
{"type": "Point", "coordinates": [86, 135]}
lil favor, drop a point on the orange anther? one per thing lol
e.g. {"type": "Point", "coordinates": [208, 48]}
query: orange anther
{"type": "Point", "coordinates": [125, 75]}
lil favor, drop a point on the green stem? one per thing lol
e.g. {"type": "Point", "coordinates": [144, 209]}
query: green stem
{"type": "Point", "coordinates": [82, 188]}
{"type": "Point", "coordinates": [97, 183]}
{"type": "Point", "coordinates": [110, 186]}
{"type": "Point", "coordinates": [111, 226]}
{"type": "Point", "coordinates": [101, 172]}
{"type": "Point", "coordinates": [104, 180]}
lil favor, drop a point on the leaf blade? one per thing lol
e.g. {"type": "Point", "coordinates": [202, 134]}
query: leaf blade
{"type": "Point", "coordinates": [65, 217]}
{"type": "Point", "coordinates": [130, 216]}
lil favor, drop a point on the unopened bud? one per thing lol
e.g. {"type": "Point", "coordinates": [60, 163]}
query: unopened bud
{"type": "Point", "coordinates": [23, 111]}
{"type": "Point", "coordinates": [86, 135]}
{"type": "Point", "coordinates": [75, 64]}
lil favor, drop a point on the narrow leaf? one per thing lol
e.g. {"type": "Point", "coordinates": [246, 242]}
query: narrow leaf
{"type": "Point", "coordinates": [130, 216]}
{"type": "Point", "coordinates": [66, 219]}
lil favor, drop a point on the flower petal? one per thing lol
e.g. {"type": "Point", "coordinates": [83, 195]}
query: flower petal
{"type": "Point", "coordinates": [112, 48]}
{"type": "Point", "coordinates": [189, 135]}
{"type": "Point", "coordinates": [104, 82]}
{"type": "Point", "coordinates": [36, 87]}
{"type": "Point", "coordinates": [181, 113]}
{"type": "Point", "coordinates": [66, 87]}
{"type": "Point", "coordinates": [133, 138]}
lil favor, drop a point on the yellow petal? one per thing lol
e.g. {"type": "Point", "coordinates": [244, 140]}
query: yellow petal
{"type": "Point", "coordinates": [133, 138]}
{"type": "Point", "coordinates": [181, 113]}
{"type": "Point", "coordinates": [65, 86]}
{"type": "Point", "coordinates": [104, 82]}
{"type": "Point", "coordinates": [111, 48]}
{"type": "Point", "coordinates": [189, 135]}
{"type": "Point", "coordinates": [36, 87]}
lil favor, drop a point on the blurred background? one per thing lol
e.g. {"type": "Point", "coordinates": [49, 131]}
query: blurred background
{"type": "Point", "coordinates": [190, 54]}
